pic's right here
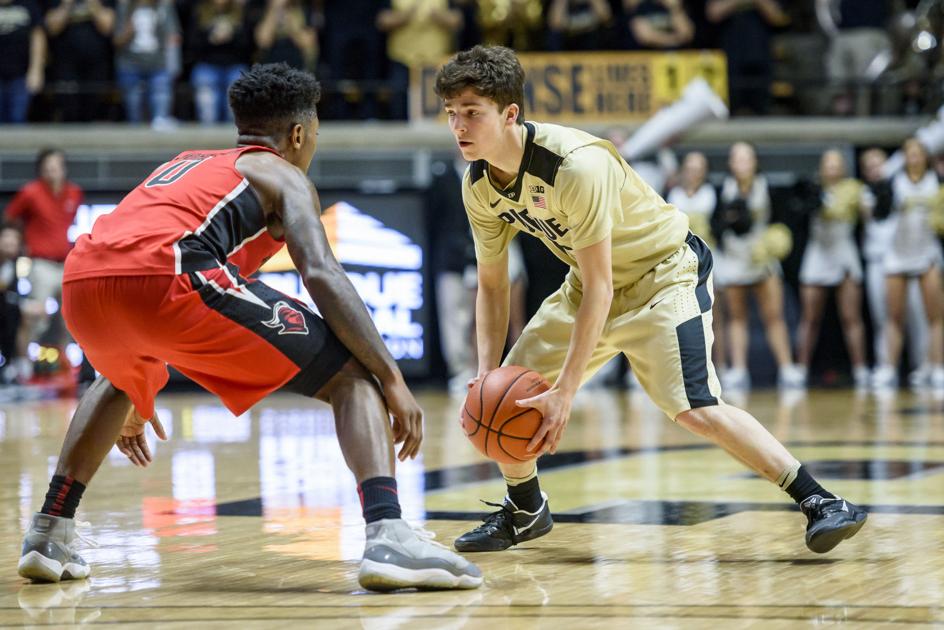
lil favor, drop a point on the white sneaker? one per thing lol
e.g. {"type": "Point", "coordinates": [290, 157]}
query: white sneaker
{"type": "Point", "coordinates": [792, 376]}
{"type": "Point", "coordinates": [736, 379]}
{"type": "Point", "coordinates": [937, 377]}
{"type": "Point", "coordinates": [49, 550]}
{"type": "Point", "coordinates": [861, 376]}
{"type": "Point", "coordinates": [920, 376]}
{"type": "Point", "coordinates": [400, 556]}
{"type": "Point", "coordinates": [884, 377]}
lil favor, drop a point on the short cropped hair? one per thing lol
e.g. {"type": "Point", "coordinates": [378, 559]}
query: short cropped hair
{"type": "Point", "coordinates": [268, 98]}
{"type": "Point", "coordinates": [490, 71]}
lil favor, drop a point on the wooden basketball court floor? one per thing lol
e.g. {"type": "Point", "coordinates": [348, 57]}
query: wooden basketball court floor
{"type": "Point", "coordinates": [254, 522]}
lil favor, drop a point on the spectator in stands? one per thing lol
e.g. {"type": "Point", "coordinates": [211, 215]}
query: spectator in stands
{"type": "Point", "coordinates": [471, 33]}
{"type": "Point", "coordinates": [45, 208]}
{"type": "Point", "coordinates": [876, 240]}
{"type": "Point", "coordinates": [355, 59]}
{"type": "Point", "coordinates": [697, 198]}
{"type": "Point", "coordinates": [915, 251]}
{"type": "Point", "coordinates": [220, 41]}
{"type": "Point", "coordinates": [80, 34]}
{"type": "Point", "coordinates": [579, 25]}
{"type": "Point", "coordinates": [745, 27]}
{"type": "Point", "coordinates": [740, 224]}
{"type": "Point", "coordinates": [831, 260]}
{"type": "Point", "coordinates": [658, 24]}
{"type": "Point", "coordinates": [146, 32]}
{"type": "Point", "coordinates": [517, 24]}
{"type": "Point", "coordinates": [418, 32]}
{"type": "Point", "coordinates": [22, 57]}
{"type": "Point", "coordinates": [285, 32]}
{"type": "Point", "coordinates": [857, 32]}
{"type": "Point", "coordinates": [10, 248]}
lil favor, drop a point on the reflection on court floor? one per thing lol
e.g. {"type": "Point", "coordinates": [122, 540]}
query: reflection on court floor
{"type": "Point", "coordinates": [255, 520]}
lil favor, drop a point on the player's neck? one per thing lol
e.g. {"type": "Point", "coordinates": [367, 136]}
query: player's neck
{"type": "Point", "coordinates": [505, 161]}
{"type": "Point", "coordinates": [257, 141]}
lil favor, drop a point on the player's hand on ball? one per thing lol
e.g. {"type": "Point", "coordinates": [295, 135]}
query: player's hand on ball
{"type": "Point", "coordinates": [407, 419]}
{"type": "Point", "coordinates": [554, 405]}
{"type": "Point", "coordinates": [475, 379]}
{"type": "Point", "coordinates": [132, 442]}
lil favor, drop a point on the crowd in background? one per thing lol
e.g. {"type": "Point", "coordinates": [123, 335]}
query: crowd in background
{"type": "Point", "coordinates": [165, 60]}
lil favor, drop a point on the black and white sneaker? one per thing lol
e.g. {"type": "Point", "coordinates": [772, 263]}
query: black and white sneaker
{"type": "Point", "coordinates": [506, 527]}
{"type": "Point", "coordinates": [830, 521]}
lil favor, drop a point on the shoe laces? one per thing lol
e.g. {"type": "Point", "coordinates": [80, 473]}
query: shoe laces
{"type": "Point", "coordinates": [425, 535]}
{"type": "Point", "coordinates": [834, 505]}
{"type": "Point", "coordinates": [81, 536]}
{"type": "Point", "coordinates": [496, 520]}
{"type": "Point", "coordinates": [818, 506]}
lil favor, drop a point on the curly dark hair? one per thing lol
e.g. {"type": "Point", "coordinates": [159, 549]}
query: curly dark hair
{"type": "Point", "coordinates": [491, 71]}
{"type": "Point", "coordinates": [268, 98]}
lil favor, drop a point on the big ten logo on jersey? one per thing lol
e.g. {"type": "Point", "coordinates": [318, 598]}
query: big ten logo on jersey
{"type": "Point", "coordinates": [171, 172]}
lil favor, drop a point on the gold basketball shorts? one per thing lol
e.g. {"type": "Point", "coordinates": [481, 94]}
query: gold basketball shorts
{"type": "Point", "coordinates": [662, 323]}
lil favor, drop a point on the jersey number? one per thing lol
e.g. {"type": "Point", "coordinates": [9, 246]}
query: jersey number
{"type": "Point", "coordinates": [172, 171]}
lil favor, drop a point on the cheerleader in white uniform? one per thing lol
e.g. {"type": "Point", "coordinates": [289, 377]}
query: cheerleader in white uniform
{"type": "Point", "coordinates": [831, 260]}
{"type": "Point", "coordinates": [697, 199]}
{"type": "Point", "coordinates": [741, 274]}
{"type": "Point", "coordinates": [876, 240]}
{"type": "Point", "coordinates": [914, 252]}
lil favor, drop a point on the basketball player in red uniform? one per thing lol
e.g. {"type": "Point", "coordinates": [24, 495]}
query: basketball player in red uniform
{"type": "Point", "coordinates": [164, 280]}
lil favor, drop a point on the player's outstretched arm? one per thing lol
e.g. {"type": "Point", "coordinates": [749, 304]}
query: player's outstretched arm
{"type": "Point", "coordinates": [287, 192]}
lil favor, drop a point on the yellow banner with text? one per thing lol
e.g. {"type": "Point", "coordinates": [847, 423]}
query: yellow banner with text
{"type": "Point", "coordinates": [592, 86]}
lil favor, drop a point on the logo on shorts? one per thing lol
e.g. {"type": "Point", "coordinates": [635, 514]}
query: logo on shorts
{"type": "Point", "coordinates": [289, 320]}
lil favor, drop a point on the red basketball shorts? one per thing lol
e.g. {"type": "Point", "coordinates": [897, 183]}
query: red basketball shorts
{"type": "Point", "coordinates": [238, 338]}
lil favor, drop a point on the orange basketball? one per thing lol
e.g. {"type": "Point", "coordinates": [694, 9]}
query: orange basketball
{"type": "Point", "coordinates": [498, 427]}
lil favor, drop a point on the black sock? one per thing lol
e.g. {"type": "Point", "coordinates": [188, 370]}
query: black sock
{"type": "Point", "coordinates": [63, 497]}
{"type": "Point", "coordinates": [379, 498]}
{"type": "Point", "coordinates": [804, 486]}
{"type": "Point", "coordinates": [527, 495]}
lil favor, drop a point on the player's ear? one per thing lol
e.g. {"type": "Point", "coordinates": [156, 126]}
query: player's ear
{"type": "Point", "coordinates": [511, 114]}
{"type": "Point", "coordinates": [296, 136]}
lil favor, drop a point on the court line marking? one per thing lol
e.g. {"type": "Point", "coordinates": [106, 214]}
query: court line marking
{"type": "Point", "coordinates": [454, 477]}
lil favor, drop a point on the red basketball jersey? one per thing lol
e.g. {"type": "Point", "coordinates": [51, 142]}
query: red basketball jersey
{"type": "Point", "coordinates": [193, 213]}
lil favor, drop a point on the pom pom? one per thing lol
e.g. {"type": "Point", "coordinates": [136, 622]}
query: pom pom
{"type": "Point", "coordinates": [774, 244]}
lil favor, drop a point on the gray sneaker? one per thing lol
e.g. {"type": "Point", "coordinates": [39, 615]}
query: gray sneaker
{"type": "Point", "coordinates": [400, 556]}
{"type": "Point", "coordinates": [49, 551]}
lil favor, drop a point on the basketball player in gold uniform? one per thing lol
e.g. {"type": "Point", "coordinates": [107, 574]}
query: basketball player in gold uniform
{"type": "Point", "coordinates": [639, 283]}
